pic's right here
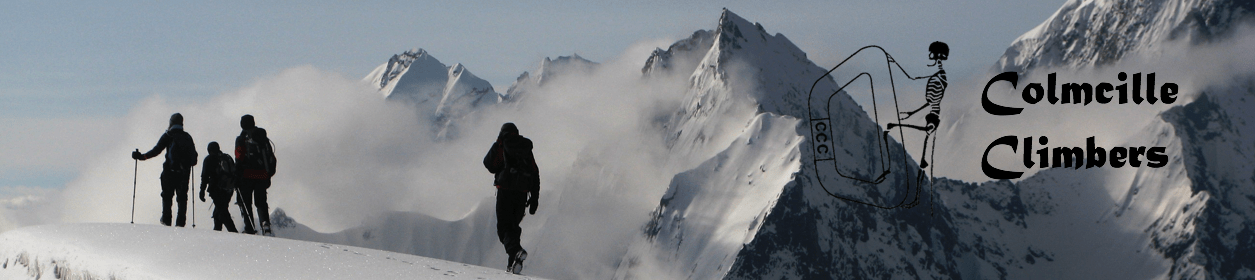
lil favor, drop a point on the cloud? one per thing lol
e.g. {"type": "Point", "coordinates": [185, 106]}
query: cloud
{"type": "Point", "coordinates": [334, 137]}
{"type": "Point", "coordinates": [345, 154]}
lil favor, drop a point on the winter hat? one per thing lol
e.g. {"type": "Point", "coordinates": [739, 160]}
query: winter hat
{"type": "Point", "coordinates": [213, 148]}
{"type": "Point", "coordinates": [246, 122]}
{"type": "Point", "coordinates": [508, 129]}
{"type": "Point", "coordinates": [176, 119]}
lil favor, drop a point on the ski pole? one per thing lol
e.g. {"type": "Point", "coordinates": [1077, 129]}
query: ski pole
{"type": "Point", "coordinates": [134, 179]}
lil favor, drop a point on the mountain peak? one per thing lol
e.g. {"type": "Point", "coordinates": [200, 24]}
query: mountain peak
{"type": "Point", "coordinates": [415, 52]}
{"type": "Point", "coordinates": [447, 93]}
{"type": "Point", "coordinates": [564, 60]}
{"type": "Point", "coordinates": [732, 27]}
{"type": "Point", "coordinates": [549, 69]}
{"type": "Point", "coordinates": [386, 76]}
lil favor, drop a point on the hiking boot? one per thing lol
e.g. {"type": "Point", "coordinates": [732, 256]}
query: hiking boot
{"type": "Point", "coordinates": [518, 262]}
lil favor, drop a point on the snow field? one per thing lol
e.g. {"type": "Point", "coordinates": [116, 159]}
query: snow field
{"type": "Point", "coordinates": [126, 251]}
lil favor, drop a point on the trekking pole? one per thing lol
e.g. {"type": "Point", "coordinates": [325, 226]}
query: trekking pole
{"type": "Point", "coordinates": [193, 199]}
{"type": "Point", "coordinates": [134, 179]}
{"type": "Point", "coordinates": [246, 212]}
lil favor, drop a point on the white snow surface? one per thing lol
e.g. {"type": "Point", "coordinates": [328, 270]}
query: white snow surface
{"type": "Point", "coordinates": [711, 211]}
{"type": "Point", "coordinates": [127, 251]}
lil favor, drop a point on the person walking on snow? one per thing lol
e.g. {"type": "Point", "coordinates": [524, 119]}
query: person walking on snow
{"type": "Point", "coordinates": [177, 169]}
{"type": "Point", "coordinates": [517, 179]}
{"type": "Point", "coordinates": [218, 175]}
{"type": "Point", "coordinates": [255, 159]}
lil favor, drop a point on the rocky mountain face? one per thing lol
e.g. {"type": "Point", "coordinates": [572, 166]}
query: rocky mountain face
{"type": "Point", "coordinates": [1217, 147]}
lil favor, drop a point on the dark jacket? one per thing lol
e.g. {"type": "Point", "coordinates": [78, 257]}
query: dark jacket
{"type": "Point", "coordinates": [520, 148]}
{"type": "Point", "coordinates": [163, 144]}
{"type": "Point", "coordinates": [209, 172]}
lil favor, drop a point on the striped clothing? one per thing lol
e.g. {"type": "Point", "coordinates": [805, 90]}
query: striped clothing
{"type": "Point", "coordinates": [936, 90]}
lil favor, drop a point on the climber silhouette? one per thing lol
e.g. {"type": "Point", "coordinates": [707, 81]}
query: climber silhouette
{"type": "Point", "coordinates": [935, 90]}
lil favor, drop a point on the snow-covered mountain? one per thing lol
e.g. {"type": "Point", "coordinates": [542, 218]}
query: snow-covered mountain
{"type": "Point", "coordinates": [445, 93]}
{"type": "Point", "coordinates": [1188, 220]}
{"type": "Point", "coordinates": [752, 199]}
{"type": "Point", "coordinates": [1215, 239]}
{"type": "Point", "coordinates": [1098, 32]}
{"type": "Point", "coordinates": [549, 70]}
{"type": "Point", "coordinates": [740, 132]}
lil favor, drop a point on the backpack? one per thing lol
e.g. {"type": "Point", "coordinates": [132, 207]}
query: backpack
{"type": "Point", "coordinates": [226, 173]}
{"type": "Point", "coordinates": [517, 173]}
{"type": "Point", "coordinates": [259, 150]}
{"type": "Point", "coordinates": [181, 153]}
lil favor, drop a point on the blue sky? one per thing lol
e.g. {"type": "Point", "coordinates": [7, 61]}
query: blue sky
{"type": "Point", "coordinates": [71, 70]}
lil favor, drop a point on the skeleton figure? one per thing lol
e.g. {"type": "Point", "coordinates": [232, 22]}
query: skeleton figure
{"type": "Point", "coordinates": [936, 89]}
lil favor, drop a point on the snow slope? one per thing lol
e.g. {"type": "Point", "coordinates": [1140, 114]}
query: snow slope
{"type": "Point", "coordinates": [126, 251]}
{"type": "Point", "coordinates": [1098, 32]}
{"type": "Point", "coordinates": [710, 211]}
